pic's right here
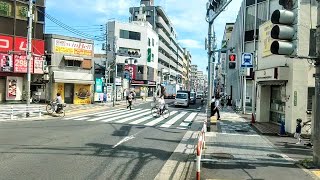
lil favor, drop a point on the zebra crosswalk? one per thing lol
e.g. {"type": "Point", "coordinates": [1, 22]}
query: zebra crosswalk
{"type": "Point", "coordinates": [177, 119]}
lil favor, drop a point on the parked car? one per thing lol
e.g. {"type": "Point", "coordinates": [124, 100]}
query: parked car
{"type": "Point", "coordinates": [193, 98]}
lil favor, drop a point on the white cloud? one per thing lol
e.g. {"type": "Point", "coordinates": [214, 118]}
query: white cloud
{"type": "Point", "coordinates": [190, 43]}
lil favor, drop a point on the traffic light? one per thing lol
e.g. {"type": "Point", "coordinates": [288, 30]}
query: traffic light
{"type": "Point", "coordinates": [283, 32]}
{"type": "Point", "coordinates": [215, 4]}
{"type": "Point", "coordinates": [232, 61]}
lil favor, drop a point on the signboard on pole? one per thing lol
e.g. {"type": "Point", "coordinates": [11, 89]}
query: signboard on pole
{"type": "Point", "coordinates": [265, 37]}
{"type": "Point", "coordinates": [247, 60]}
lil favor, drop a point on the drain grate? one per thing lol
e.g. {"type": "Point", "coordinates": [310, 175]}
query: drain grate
{"type": "Point", "coordinates": [221, 156]}
{"type": "Point", "coordinates": [274, 156]}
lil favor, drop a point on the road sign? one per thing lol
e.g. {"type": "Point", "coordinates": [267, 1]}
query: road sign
{"type": "Point", "coordinates": [247, 60]}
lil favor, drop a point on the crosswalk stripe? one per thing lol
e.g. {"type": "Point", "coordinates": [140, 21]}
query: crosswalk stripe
{"type": "Point", "coordinates": [190, 117]}
{"type": "Point", "coordinates": [93, 114]}
{"type": "Point", "coordinates": [173, 120]}
{"type": "Point", "coordinates": [141, 120]}
{"type": "Point", "coordinates": [134, 117]}
{"type": "Point", "coordinates": [184, 124]}
{"type": "Point", "coordinates": [80, 119]}
{"type": "Point", "coordinates": [156, 121]}
{"type": "Point", "coordinates": [112, 115]}
{"type": "Point", "coordinates": [125, 115]}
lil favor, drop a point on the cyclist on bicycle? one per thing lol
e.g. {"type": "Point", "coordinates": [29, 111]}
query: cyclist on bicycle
{"type": "Point", "coordinates": [58, 101]}
{"type": "Point", "coordinates": [162, 104]}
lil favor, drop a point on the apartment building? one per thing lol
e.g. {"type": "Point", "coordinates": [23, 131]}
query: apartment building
{"type": "Point", "coordinates": [171, 54]}
{"type": "Point", "coordinates": [193, 77]}
{"type": "Point", "coordinates": [285, 86]}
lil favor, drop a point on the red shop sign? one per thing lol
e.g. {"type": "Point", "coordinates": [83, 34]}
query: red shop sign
{"type": "Point", "coordinates": [6, 43]}
{"type": "Point", "coordinates": [20, 64]}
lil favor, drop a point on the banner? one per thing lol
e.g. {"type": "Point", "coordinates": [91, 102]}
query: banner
{"type": "Point", "coordinates": [265, 36]}
{"type": "Point", "coordinates": [82, 94]}
{"type": "Point", "coordinates": [6, 63]}
{"type": "Point", "coordinates": [20, 45]}
{"type": "Point", "coordinates": [38, 65]}
{"type": "Point", "coordinates": [20, 64]}
{"type": "Point", "coordinates": [99, 85]}
{"type": "Point", "coordinates": [74, 48]}
{"type": "Point", "coordinates": [12, 88]}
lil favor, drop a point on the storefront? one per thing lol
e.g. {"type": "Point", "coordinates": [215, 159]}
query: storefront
{"type": "Point", "coordinates": [143, 87]}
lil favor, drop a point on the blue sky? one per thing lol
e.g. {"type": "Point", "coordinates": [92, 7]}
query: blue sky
{"type": "Point", "coordinates": [188, 18]}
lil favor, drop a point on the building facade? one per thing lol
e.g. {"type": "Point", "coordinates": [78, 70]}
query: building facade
{"type": "Point", "coordinates": [285, 86]}
{"type": "Point", "coordinates": [193, 77]}
{"type": "Point", "coordinates": [140, 38]}
{"type": "Point", "coordinates": [70, 62]}
{"type": "Point", "coordinates": [171, 54]}
{"type": "Point", "coordinates": [13, 38]}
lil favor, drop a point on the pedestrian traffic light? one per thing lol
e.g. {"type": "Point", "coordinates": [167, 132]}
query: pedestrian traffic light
{"type": "Point", "coordinates": [283, 32]}
{"type": "Point", "coordinates": [232, 61]}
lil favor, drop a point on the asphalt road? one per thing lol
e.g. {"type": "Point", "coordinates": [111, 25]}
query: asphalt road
{"type": "Point", "coordinates": [58, 149]}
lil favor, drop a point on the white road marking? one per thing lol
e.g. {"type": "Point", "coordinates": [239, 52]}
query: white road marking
{"type": "Point", "coordinates": [80, 119]}
{"type": "Point", "coordinates": [184, 124]}
{"type": "Point", "coordinates": [109, 116]}
{"type": "Point", "coordinates": [134, 117]}
{"type": "Point", "coordinates": [123, 140]}
{"type": "Point", "coordinates": [123, 116]}
{"type": "Point", "coordinates": [141, 120]}
{"type": "Point", "coordinates": [190, 117]}
{"type": "Point", "coordinates": [93, 114]}
{"type": "Point", "coordinates": [156, 121]}
{"type": "Point", "coordinates": [173, 120]}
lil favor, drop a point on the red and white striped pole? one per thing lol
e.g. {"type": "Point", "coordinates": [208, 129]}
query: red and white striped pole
{"type": "Point", "coordinates": [198, 164]}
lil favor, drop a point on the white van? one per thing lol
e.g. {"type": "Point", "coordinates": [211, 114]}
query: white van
{"type": "Point", "coordinates": [182, 99]}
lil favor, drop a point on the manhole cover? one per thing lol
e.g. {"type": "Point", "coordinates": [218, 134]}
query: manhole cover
{"type": "Point", "coordinates": [241, 130]}
{"type": "Point", "coordinates": [222, 156]}
{"type": "Point", "coordinates": [274, 156]}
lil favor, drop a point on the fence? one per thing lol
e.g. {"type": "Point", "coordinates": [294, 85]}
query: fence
{"type": "Point", "coordinates": [21, 111]}
{"type": "Point", "coordinates": [200, 146]}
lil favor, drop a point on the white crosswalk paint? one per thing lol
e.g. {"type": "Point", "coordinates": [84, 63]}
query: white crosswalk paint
{"type": "Point", "coordinates": [113, 115]}
{"type": "Point", "coordinates": [184, 124]}
{"type": "Point", "coordinates": [134, 117]}
{"type": "Point", "coordinates": [190, 117]}
{"type": "Point", "coordinates": [125, 115]}
{"type": "Point", "coordinates": [141, 120]}
{"type": "Point", "coordinates": [93, 114]}
{"type": "Point", "coordinates": [80, 119]}
{"type": "Point", "coordinates": [156, 121]}
{"type": "Point", "coordinates": [173, 120]}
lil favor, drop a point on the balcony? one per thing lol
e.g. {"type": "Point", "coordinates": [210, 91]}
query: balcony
{"type": "Point", "coordinates": [165, 47]}
{"type": "Point", "coordinates": [164, 58]}
{"type": "Point", "coordinates": [163, 24]}
{"type": "Point", "coordinates": [163, 35]}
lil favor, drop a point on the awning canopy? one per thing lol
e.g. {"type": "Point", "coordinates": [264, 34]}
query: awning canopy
{"type": "Point", "coordinates": [71, 81]}
{"type": "Point", "coordinates": [73, 58]}
{"type": "Point", "coordinates": [272, 83]}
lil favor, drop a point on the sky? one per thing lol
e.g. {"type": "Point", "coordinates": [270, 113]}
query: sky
{"type": "Point", "coordinates": [187, 16]}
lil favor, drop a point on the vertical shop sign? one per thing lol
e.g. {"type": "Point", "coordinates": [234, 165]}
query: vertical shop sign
{"type": "Point", "coordinates": [38, 65]}
{"type": "Point", "coordinates": [20, 64]}
{"type": "Point", "coordinates": [82, 94]}
{"type": "Point", "coordinates": [6, 63]}
{"type": "Point", "coordinates": [295, 101]}
{"type": "Point", "coordinates": [98, 85]}
{"type": "Point", "coordinates": [12, 87]}
{"type": "Point", "coordinates": [60, 89]}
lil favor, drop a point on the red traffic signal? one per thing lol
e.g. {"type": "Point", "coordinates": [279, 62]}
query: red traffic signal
{"type": "Point", "coordinates": [232, 57]}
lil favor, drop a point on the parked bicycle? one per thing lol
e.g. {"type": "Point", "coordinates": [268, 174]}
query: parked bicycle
{"type": "Point", "coordinates": [155, 111]}
{"type": "Point", "coordinates": [60, 109]}
{"type": "Point", "coordinates": [35, 97]}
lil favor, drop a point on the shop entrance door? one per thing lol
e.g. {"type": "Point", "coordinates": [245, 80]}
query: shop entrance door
{"type": "Point", "coordinates": [68, 93]}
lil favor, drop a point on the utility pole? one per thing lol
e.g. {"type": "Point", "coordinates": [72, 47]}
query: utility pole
{"type": "Point", "coordinates": [316, 128]}
{"type": "Point", "coordinates": [107, 65]}
{"type": "Point", "coordinates": [115, 71]}
{"type": "Point", "coordinates": [29, 54]}
{"type": "Point", "coordinates": [210, 59]}
{"type": "Point", "coordinates": [253, 105]}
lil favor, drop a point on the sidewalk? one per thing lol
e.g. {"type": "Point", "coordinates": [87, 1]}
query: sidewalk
{"type": "Point", "coordinates": [237, 152]}
{"type": "Point", "coordinates": [71, 109]}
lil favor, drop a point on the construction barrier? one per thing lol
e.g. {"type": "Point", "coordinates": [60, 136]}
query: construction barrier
{"type": "Point", "coordinates": [200, 146]}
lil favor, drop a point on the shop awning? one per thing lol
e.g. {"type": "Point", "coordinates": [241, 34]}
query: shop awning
{"type": "Point", "coordinates": [70, 81]}
{"type": "Point", "coordinates": [272, 83]}
{"type": "Point", "coordinates": [73, 58]}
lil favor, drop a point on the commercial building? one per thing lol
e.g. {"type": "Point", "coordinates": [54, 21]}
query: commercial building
{"type": "Point", "coordinates": [285, 86]}
{"type": "Point", "coordinates": [171, 54]}
{"type": "Point", "coordinates": [70, 68]}
{"type": "Point", "coordinates": [13, 43]}
{"type": "Point", "coordinates": [193, 77]}
{"type": "Point", "coordinates": [134, 47]}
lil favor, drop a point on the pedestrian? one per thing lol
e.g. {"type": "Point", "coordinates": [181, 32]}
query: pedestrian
{"type": "Point", "coordinates": [130, 97]}
{"type": "Point", "coordinates": [215, 106]}
{"type": "Point", "coordinates": [298, 131]}
{"type": "Point", "coordinates": [229, 102]}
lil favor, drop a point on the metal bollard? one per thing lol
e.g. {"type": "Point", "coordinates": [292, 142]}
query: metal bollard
{"type": "Point", "coordinates": [11, 115]}
{"type": "Point", "coordinates": [39, 111]}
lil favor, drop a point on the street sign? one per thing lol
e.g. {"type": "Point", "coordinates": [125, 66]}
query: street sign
{"type": "Point", "coordinates": [247, 60]}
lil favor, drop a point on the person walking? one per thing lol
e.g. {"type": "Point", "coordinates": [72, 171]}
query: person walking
{"type": "Point", "coordinates": [130, 97]}
{"type": "Point", "coordinates": [215, 106]}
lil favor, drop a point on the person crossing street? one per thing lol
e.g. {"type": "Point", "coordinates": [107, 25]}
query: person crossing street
{"type": "Point", "coordinates": [130, 98]}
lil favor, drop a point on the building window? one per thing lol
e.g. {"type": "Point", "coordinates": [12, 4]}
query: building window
{"type": "Point", "coordinates": [149, 43]}
{"type": "Point", "coordinates": [5, 9]}
{"type": "Point", "coordinates": [152, 42]}
{"type": "Point", "coordinates": [130, 35]}
{"type": "Point", "coordinates": [140, 69]}
{"type": "Point", "coordinates": [72, 63]}
{"type": "Point", "coordinates": [152, 57]}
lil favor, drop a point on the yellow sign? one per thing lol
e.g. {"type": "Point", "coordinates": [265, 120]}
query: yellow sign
{"type": "Point", "coordinates": [60, 89]}
{"type": "Point", "coordinates": [82, 94]}
{"type": "Point", "coordinates": [265, 36]}
{"type": "Point", "coordinates": [74, 48]}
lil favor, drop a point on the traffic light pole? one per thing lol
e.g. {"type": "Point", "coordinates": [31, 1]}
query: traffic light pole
{"type": "Point", "coordinates": [210, 72]}
{"type": "Point", "coordinates": [316, 122]}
